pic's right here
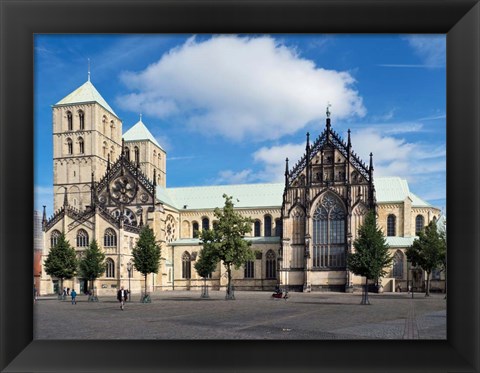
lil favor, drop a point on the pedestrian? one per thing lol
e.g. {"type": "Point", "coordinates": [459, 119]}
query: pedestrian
{"type": "Point", "coordinates": [74, 296]}
{"type": "Point", "coordinates": [122, 296]}
{"type": "Point", "coordinates": [68, 291]}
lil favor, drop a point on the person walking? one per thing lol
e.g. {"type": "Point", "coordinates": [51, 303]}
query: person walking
{"type": "Point", "coordinates": [74, 296]}
{"type": "Point", "coordinates": [122, 297]}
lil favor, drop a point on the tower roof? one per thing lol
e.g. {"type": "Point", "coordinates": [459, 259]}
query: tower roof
{"type": "Point", "coordinates": [140, 132]}
{"type": "Point", "coordinates": [86, 93]}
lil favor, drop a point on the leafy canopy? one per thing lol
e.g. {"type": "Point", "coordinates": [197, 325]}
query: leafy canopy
{"type": "Point", "coordinates": [92, 264]}
{"type": "Point", "coordinates": [147, 252]}
{"type": "Point", "coordinates": [61, 261]}
{"type": "Point", "coordinates": [429, 250]}
{"type": "Point", "coordinates": [371, 250]}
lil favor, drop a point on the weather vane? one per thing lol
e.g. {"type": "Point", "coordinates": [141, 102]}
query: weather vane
{"type": "Point", "coordinates": [88, 69]}
{"type": "Point", "coordinates": [328, 110]}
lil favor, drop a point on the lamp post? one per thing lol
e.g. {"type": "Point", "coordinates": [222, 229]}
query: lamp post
{"type": "Point", "coordinates": [129, 269]}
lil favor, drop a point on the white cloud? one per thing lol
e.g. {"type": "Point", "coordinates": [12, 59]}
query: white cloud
{"type": "Point", "coordinates": [231, 177]}
{"type": "Point", "coordinates": [240, 86]}
{"type": "Point", "coordinates": [432, 49]}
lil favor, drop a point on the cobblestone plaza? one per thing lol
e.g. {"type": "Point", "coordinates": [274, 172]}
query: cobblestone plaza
{"type": "Point", "coordinates": [253, 315]}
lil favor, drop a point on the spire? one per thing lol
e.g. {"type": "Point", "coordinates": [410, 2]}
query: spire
{"type": "Point", "coordinates": [349, 144]}
{"type": "Point", "coordinates": [307, 148]}
{"type": "Point", "coordinates": [89, 69]}
{"type": "Point", "coordinates": [371, 163]}
{"type": "Point", "coordinates": [154, 187]}
{"type": "Point", "coordinates": [286, 171]}
{"type": "Point", "coordinates": [328, 116]}
{"type": "Point", "coordinates": [108, 162]}
{"type": "Point", "coordinates": [123, 148]}
{"type": "Point", "coordinates": [65, 198]}
{"type": "Point", "coordinates": [44, 218]}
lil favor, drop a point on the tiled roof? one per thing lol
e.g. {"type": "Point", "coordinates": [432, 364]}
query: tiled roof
{"type": "Point", "coordinates": [210, 197]}
{"type": "Point", "coordinates": [86, 93]}
{"type": "Point", "coordinates": [395, 189]}
{"type": "Point", "coordinates": [140, 132]}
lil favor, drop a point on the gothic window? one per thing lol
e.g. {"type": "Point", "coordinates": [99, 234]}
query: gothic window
{"type": "Point", "coordinates": [127, 153]}
{"type": "Point", "coordinates": [298, 218]}
{"type": "Point", "coordinates": [69, 146]}
{"type": "Point", "coordinates": [82, 238]}
{"type": "Point", "coordinates": [170, 228]}
{"type": "Point", "coordinates": [249, 269]}
{"type": "Point", "coordinates": [186, 265]}
{"type": "Point", "coordinates": [391, 225]}
{"type": "Point", "coordinates": [70, 121]}
{"type": "Point", "coordinates": [110, 238]}
{"type": "Point", "coordinates": [129, 216]}
{"type": "Point", "coordinates": [398, 265]}
{"type": "Point", "coordinates": [267, 225]}
{"type": "Point", "coordinates": [271, 265]}
{"type": "Point", "coordinates": [104, 125]}
{"type": "Point", "coordinates": [81, 118]}
{"type": "Point", "coordinates": [256, 228]}
{"type": "Point", "coordinates": [154, 161]}
{"type": "Point", "coordinates": [278, 227]}
{"type": "Point", "coordinates": [195, 229]}
{"type": "Point", "coordinates": [112, 129]}
{"type": "Point", "coordinates": [137, 154]}
{"type": "Point", "coordinates": [109, 268]}
{"type": "Point", "coordinates": [329, 233]}
{"type": "Point", "coordinates": [419, 224]}
{"type": "Point", "coordinates": [205, 224]}
{"type": "Point", "coordinates": [81, 145]}
{"type": "Point", "coordinates": [54, 238]}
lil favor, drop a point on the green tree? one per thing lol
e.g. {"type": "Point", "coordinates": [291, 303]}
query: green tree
{"type": "Point", "coordinates": [371, 255]}
{"type": "Point", "coordinates": [428, 251]}
{"type": "Point", "coordinates": [204, 266]}
{"type": "Point", "coordinates": [92, 264]}
{"type": "Point", "coordinates": [61, 261]}
{"type": "Point", "coordinates": [226, 243]}
{"type": "Point", "coordinates": [146, 255]}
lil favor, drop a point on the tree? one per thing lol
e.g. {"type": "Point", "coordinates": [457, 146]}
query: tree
{"type": "Point", "coordinates": [146, 255]}
{"type": "Point", "coordinates": [92, 264]}
{"type": "Point", "coordinates": [371, 255]}
{"type": "Point", "coordinates": [61, 261]}
{"type": "Point", "coordinates": [226, 243]}
{"type": "Point", "coordinates": [428, 251]}
{"type": "Point", "coordinates": [205, 265]}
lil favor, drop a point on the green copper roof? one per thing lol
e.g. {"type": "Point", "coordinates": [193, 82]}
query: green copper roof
{"type": "Point", "coordinates": [394, 189]}
{"type": "Point", "coordinates": [399, 241]}
{"type": "Point", "coordinates": [210, 197]}
{"type": "Point", "coordinates": [86, 93]}
{"type": "Point", "coordinates": [253, 240]}
{"type": "Point", "coordinates": [140, 132]}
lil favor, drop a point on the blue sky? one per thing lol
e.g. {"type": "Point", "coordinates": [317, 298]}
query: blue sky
{"type": "Point", "coordinates": [229, 109]}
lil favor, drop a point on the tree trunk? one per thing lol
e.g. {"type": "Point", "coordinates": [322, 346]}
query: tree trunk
{"type": "Point", "coordinates": [230, 295]}
{"type": "Point", "coordinates": [427, 290]}
{"type": "Point", "coordinates": [365, 293]}
{"type": "Point", "coordinates": [145, 284]}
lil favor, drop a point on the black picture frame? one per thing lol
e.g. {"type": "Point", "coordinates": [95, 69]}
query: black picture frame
{"type": "Point", "coordinates": [458, 19]}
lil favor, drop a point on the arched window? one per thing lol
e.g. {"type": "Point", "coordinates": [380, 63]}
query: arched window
{"type": "Point", "coordinates": [398, 265]}
{"type": "Point", "coordinates": [186, 265]}
{"type": "Point", "coordinates": [267, 221]}
{"type": "Point", "coordinates": [391, 225]}
{"type": "Point", "coordinates": [112, 129]}
{"type": "Point", "coordinates": [298, 217]}
{"type": "Point", "coordinates": [278, 227]}
{"type": "Point", "coordinates": [82, 238]}
{"type": "Point", "coordinates": [329, 233]}
{"type": "Point", "coordinates": [104, 125]}
{"type": "Point", "coordinates": [137, 154]}
{"type": "Point", "coordinates": [81, 145]}
{"type": "Point", "coordinates": [205, 224]}
{"type": "Point", "coordinates": [271, 265]}
{"type": "Point", "coordinates": [69, 146]}
{"type": "Point", "coordinates": [110, 238]}
{"type": "Point", "coordinates": [70, 121]}
{"type": "Point", "coordinates": [154, 161]}
{"type": "Point", "coordinates": [249, 269]}
{"type": "Point", "coordinates": [127, 153]}
{"type": "Point", "coordinates": [256, 228]}
{"type": "Point", "coordinates": [195, 229]}
{"type": "Point", "coordinates": [54, 238]}
{"type": "Point", "coordinates": [110, 268]}
{"type": "Point", "coordinates": [105, 149]}
{"type": "Point", "coordinates": [419, 224]}
{"type": "Point", "coordinates": [81, 118]}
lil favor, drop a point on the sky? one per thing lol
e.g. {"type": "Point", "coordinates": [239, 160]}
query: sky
{"type": "Point", "coordinates": [228, 109]}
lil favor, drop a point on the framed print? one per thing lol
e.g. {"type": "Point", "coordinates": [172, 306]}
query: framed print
{"type": "Point", "coordinates": [21, 21]}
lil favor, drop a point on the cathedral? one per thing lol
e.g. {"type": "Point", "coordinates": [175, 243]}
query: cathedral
{"type": "Point", "coordinates": [108, 184]}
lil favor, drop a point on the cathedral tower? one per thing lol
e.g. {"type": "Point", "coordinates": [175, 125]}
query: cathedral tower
{"type": "Point", "coordinates": [86, 133]}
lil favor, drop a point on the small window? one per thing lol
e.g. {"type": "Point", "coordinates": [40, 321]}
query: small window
{"type": "Point", "coordinates": [137, 154]}
{"type": "Point", "coordinates": [69, 146]}
{"type": "Point", "coordinates": [186, 265]}
{"type": "Point", "coordinates": [268, 225]}
{"type": "Point", "coordinates": [69, 121]}
{"type": "Point", "coordinates": [249, 269]}
{"type": "Point", "coordinates": [278, 227]}
{"type": "Point", "coordinates": [195, 229]}
{"type": "Point", "coordinates": [110, 238]}
{"type": "Point", "coordinates": [398, 265]}
{"type": "Point", "coordinates": [391, 225]}
{"type": "Point", "coordinates": [419, 224]}
{"type": "Point", "coordinates": [205, 224]}
{"type": "Point", "coordinates": [271, 265]}
{"type": "Point", "coordinates": [127, 153]}
{"type": "Point", "coordinates": [81, 145]}
{"type": "Point", "coordinates": [81, 118]}
{"type": "Point", "coordinates": [256, 229]}
{"type": "Point", "coordinates": [82, 238]}
{"type": "Point", "coordinates": [110, 268]}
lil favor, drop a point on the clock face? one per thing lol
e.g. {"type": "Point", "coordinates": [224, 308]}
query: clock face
{"type": "Point", "coordinates": [123, 189]}
{"type": "Point", "coordinates": [128, 216]}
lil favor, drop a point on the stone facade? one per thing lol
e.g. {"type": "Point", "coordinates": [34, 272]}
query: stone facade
{"type": "Point", "coordinates": [106, 187]}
